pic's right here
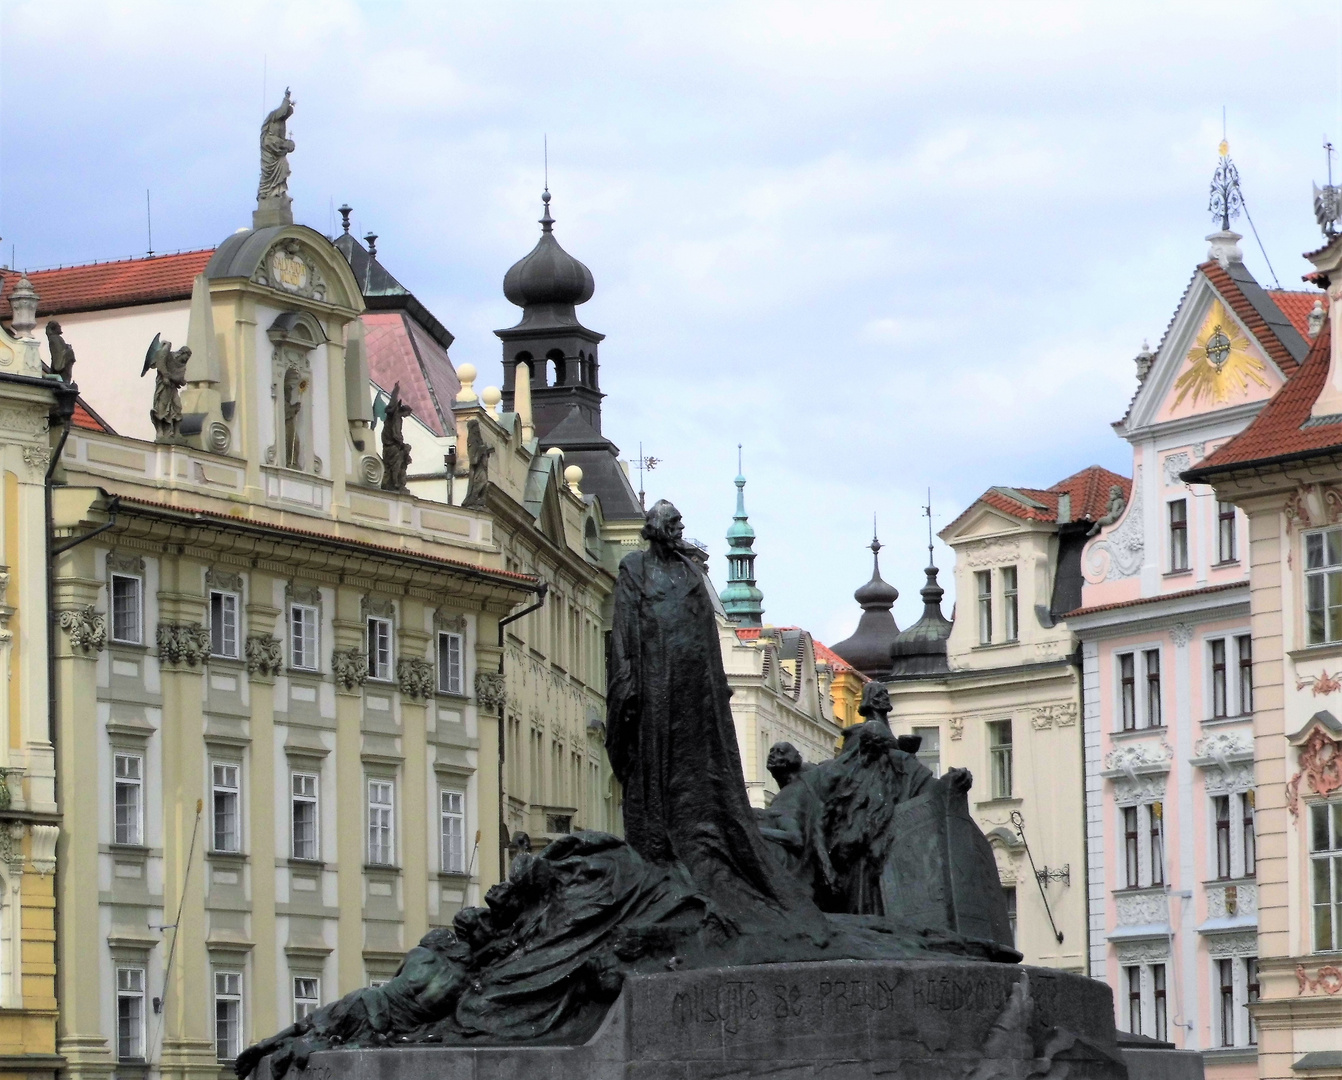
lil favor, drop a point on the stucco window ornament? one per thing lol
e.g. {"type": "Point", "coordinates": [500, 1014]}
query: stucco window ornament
{"type": "Point", "coordinates": [264, 655]}
{"type": "Point", "coordinates": [42, 847]}
{"type": "Point", "coordinates": [1313, 504]}
{"type": "Point", "coordinates": [350, 668]}
{"type": "Point", "coordinates": [993, 552]}
{"type": "Point", "coordinates": [1143, 952]}
{"type": "Point", "coordinates": [1174, 465]}
{"type": "Point", "coordinates": [1320, 684]}
{"type": "Point", "coordinates": [1227, 758]}
{"type": "Point", "coordinates": [414, 677]}
{"type": "Point", "coordinates": [124, 564]}
{"type": "Point", "coordinates": [1120, 554]}
{"type": "Point", "coordinates": [491, 691]}
{"type": "Point", "coordinates": [1328, 979]}
{"type": "Point", "coordinates": [1232, 901]}
{"type": "Point", "coordinates": [11, 845]}
{"type": "Point", "coordinates": [182, 643]}
{"type": "Point", "coordinates": [1138, 771]}
{"type": "Point", "coordinates": [37, 457]}
{"type": "Point", "coordinates": [1181, 634]}
{"type": "Point", "coordinates": [1320, 767]}
{"type": "Point", "coordinates": [1143, 909]}
{"type": "Point", "coordinates": [223, 580]}
{"type": "Point", "coordinates": [957, 725]}
{"type": "Point", "coordinates": [1061, 714]}
{"type": "Point", "coordinates": [87, 629]}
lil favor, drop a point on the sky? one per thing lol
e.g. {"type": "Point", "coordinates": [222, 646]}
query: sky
{"type": "Point", "coordinates": [885, 248]}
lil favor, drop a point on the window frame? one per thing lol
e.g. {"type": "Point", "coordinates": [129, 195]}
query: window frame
{"type": "Point", "coordinates": [1322, 562]}
{"type": "Point", "coordinates": [311, 615]}
{"type": "Point", "coordinates": [136, 995]}
{"type": "Point", "coordinates": [983, 587]}
{"type": "Point", "coordinates": [220, 794]}
{"type": "Point", "coordinates": [1010, 603]}
{"type": "Point", "coordinates": [305, 1004]}
{"type": "Point", "coordinates": [447, 816]}
{"type": "Point", "coordinates": [1132, 861]}
{"type": "Point", "coordinates": [1223, 846]}
{"type": "Point", "coordinates": [1217, 655]}
{"type": "Point", "coordinates": [222, 649]}
{"type": "Point", "coordinates": [929, 750]}
{"type": "Point", "coordinates": [1155, 710]}
{"type": "Point", "coordinates": [1001, 758]}
{"type": "Point", "coordinates": [381, 658]}
{"type": "Point", "coordinates": [1127, 690]}
{"type": "Point", "coordinates": [1155, 814]}
{"type": "Point", "coordinates": [1227, 540]}
{"type": "Point", "coordinates": [1328, 857]}
{"type": "Point", "coordinates": [446, 638]}
{"type": "Point", "coordinates": [313, 799]}
{"type": "Point", "coordinates": [381, 830]}
{"type": "Point", "coordinates": [128, 783]}
{"type": "Point", "coordinates": [226, 998]}
{"type": "Point", "coordinates": [1244, 684]}
{"type": "Point", "coordinates": [137, 608]}
{"type": "Point", "coordinates": [1178, 535]}
{"type": "Point", "coordinates": [1013, 915]}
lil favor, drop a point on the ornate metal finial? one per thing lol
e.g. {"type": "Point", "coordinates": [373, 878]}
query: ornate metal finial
{"type": "Point", "coordinates": [345, 211]}
{"type": "Point", "coordinates": [927, 513]}
{"type": "Point", "coordinates": [1226, 201]}
{"type": "Point", "coordinates": [371, 240]}
{"type": "Point", "coordinates": [1328, 199]}
{"type": "Point", "coordinates": [547, 222]}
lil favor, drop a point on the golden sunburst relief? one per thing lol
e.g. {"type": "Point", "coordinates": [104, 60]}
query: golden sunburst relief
{"type": "Point", "coordinates": [1220, 362]}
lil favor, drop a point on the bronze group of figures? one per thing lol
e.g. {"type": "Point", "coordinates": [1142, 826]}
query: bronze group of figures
{"type": "Point", "coordinates": [864, 857]}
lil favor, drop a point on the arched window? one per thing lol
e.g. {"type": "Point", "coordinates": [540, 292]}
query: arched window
{"type": "Point", "coordinates": [555, 357]}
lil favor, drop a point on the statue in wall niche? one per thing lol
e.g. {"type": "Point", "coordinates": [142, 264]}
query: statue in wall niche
{"type": "Point", "coordinates": [478, 452]}
{"type": "Point", "coordinates": [62, 356]}
{"type": "Point", "coordinates": [701, 881]}
{"type": "Point", "coordinates": [293, 404]}
{"type": "Point", "coordinates": [395, 451]}
{"type": "Point", "coordinates": [276, 146]}
{"type": "Point", "coordinates": [169, 368]}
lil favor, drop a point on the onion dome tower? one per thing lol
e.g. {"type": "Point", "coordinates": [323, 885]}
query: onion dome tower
{"type": "Point", "coordinates": [921, 649]}
{"type": "Point", "coordinates": [558, 355]}
{"type": "Point", "coordinates": [742, 601]}
{"type": "Point", "coordinates": [868, 649]}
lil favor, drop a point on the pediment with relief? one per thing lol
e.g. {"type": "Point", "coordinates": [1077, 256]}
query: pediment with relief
{"type": "Point", "coordinates": [290, 267]}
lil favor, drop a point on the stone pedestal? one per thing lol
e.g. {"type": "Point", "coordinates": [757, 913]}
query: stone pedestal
{"type": "Point", "coordinates": [841, 1020]}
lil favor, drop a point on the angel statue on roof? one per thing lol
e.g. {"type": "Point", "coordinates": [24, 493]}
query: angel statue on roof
{"type": "Point", "coordinates": [170, 369]}
{"type": "Point", "coordinates": [276, 146]}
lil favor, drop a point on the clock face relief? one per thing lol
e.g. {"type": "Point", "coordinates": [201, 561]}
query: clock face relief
{"type": "Point", "coordinates": [1220, 365]}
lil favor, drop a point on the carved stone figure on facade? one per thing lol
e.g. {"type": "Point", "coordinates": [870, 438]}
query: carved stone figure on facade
{"type": "Point", "coordinates": [1113, 511]}
{"type": "Point", "coordinates": [169, 369]}
{"type": "Point", "coordinates": [293, 405]}
{"type": "Point", "coordinates": [395, 450]}
{"type": "Point", "coordinates": [478, 452]}
{"type": "Point", "coordinates": [62, 355]}
{"type": "Point", "coordinates": [276, 146]}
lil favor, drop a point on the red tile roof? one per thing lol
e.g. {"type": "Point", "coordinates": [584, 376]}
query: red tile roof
{"type": "Point", "coordinates": [1088, 488]}
{"type": "Point", "coordinates": [1248, 315]}
{"type": "Point", "coordinates": [86, 418]}
{"type": "Point", "coordinates": [1296, 304]}
{"type": "Point", "coordinates": [825, 655]}
{"type": "Point", "coordinates": [1277, 433]}
{"type": "Point", "coordinates": [96, 286]}
{"type": "Point", "coordinates": [1181, 595]}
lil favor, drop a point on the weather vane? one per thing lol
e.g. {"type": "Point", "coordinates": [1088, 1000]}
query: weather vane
{"type": "Point", "coordinates": [1226, 200]}
{"type": "Point", "coordinates": [647, 463]}
{"type": "Point", "coordinates": [1328, 200]}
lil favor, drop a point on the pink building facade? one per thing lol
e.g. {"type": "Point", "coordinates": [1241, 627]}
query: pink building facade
{"type": "Point", "coordinates": [1168, 679]}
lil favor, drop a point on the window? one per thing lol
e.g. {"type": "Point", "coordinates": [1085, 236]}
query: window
{"type": "Point", "coordinates": [307, 996]}
{"type": "Point", "coordinates": [1010, 603]}
{"type": "Point", "coordinates": [1244, 646]}
{"type": "Point", "coordinates": [1250, 848]}
{"type": "Point", "coordinates": [1225, 533]}
{"type": "Point", "coordinates": [128, 802]}
{"type": "Point", "coordinates": [1323, 586]}
{"type": "Point", "coordinates": [223, 624]}
{"type": "Point", "coordinates": [929, 750]}
{"type": "Point", "coordinates": [449, 663]}
{"type": "Point", "coordinates": [1225, 972]}
{"type": "Point", "coordinates": [1178, 535]}
{"type": "Point", "coordinates": [130, 1014]}
{"type": "Point", "coordinates": [1221, 806]}
{"type": "Point", "coordinates": [1133, 977]}
{"type": "Point", "coordinates": [1218, 677]}
{"type": "Point", "coordinates": [304, 787]}
{"type": "Point", "coordinates": [1154, 715]}
{"type": "Point", "coordinates": [127, 620]}
{"type": "Point", "coordinates": [227, 1014]}
{"type": "Point", "coordinates": [1156, 825]}
{"type": "Point", "coordinates": [983, 579]}
{"type": "Point", "coordinates": [999, 753]}
{"type": "Point", "coordinates": [1251, 995]}
{"type": "Point", "coordinates": [453, 831]}
{"type": "Point", "coordinates": [1325, 847]}
{"type": "Point", "coordinates": [226, 833]}
{"type": "Point", "coordinates": [303, 637]}
{"type": "Point", "coordinates": [379, 649]}
{"type": "Point", "coordinates": [1161, 1030]}
{"type": "Point", "coordinates": [380, 823]}
{"type": "Point", "coordinates": [1130, 857]}
{"type": "Point", "coordinates": [1127, 693]}
{"type": "Point", "coordinates": [1009, 892]}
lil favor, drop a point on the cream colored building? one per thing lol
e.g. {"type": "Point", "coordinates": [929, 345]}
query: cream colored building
{"type": "Point", "coordinates": [1284, 471]}
{"type": "Point", "coordinates": [998, 692]}
{"type": "Point", "coordinates": [29, 824]}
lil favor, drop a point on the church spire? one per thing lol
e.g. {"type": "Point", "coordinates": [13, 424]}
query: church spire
{"type": "Point", "coordinates": [742, 601]}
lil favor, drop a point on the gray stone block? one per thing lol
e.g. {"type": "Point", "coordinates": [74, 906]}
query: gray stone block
{"type": "Point", "coordinates": [1162, 1064]}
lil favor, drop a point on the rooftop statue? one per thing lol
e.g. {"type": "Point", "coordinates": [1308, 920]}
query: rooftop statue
{"type": "Point", "coordinates": [395, 451]}
{"type": "Point", "coordinates": [62, 356]}
{"type": "Point", "coordinates": [701, 881]}
{"type": "Point", "coordinates": [170, 376]}
{"type": "Point", "coordinates": [276, 146]}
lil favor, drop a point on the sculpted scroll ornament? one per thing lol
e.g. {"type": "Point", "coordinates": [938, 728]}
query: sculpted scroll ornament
{"type": "Point", "coordinates": [1120, 554]}
{"type": "Point", "coordinates": [1144, 756]}
{"type": "Point", "coordinates": [993, 552]}
{"type": "Point", "coordinates": [1320, 684]}
{"type": "Point", "coordinates": [263, 655]}
{"type": "Point", "coordinates": [1222, 945]}
{"type": "Point", "coordinates": [1328, 979]}
{"type": "Point", "coordinates": [1174, 465]}
{"type": "Point", "coordinates": [1142, 952]}
{"type": "Point", "coordinates": [350, 668]}
{"type": "Point", "coordinates": [490, 690]}
{"type": "Point", "coordinates": [37, 457]}
{"type": "Point", "coordinates": [1313, 504]}
{"type": "Point", "coordinates": [1232, 900]}
{"type": "Point", "coordinates": [1181, 634]}
{"type": "Point", "coordinates": [87, 629]}
{"type": "Point", "coordinates": [415, 677]}
{"type": "Point", "coordinates": [1143, 909]}
{"type": "Point", "coordinates": [182, 643]}
{"type": "Point", "coordinates": [1320, 767]}
{"type": "Point", "coordinates": [1061, 714]}
{"type": "Point", "coordinates": [290, 267]}
{"type": "Point", "coordinates": [957, 724]}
